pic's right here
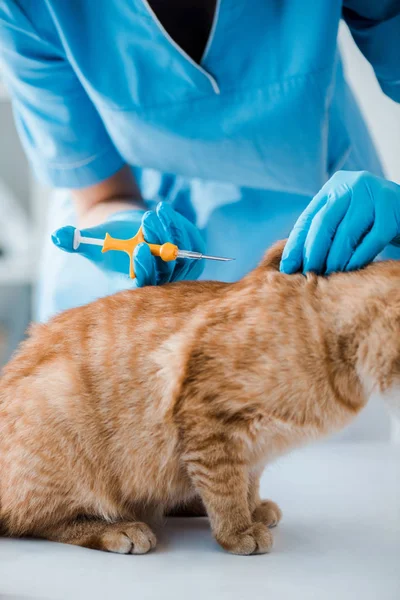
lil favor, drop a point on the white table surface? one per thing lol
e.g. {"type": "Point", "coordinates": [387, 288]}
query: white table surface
{"type": "Point", "coordinates": [339, 540]}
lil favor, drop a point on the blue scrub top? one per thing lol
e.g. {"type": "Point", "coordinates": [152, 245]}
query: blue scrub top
{"type": "Point", "coordinates": [240, 142]}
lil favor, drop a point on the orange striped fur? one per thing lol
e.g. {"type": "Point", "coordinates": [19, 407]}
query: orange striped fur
{"type": "Point", "coordinates": [115, 413]}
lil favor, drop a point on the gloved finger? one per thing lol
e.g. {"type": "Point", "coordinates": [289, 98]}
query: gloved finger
{"type": "Point", "coordinates": [373, 243]}
{"type": "Point", "coordinates": [177, 233]}
{"type": "Point", "coordinates": [155, 233]}
{"type": "Point", "coordinates": [64, 238]}
{"type": "Point", "coordinates": [292, 257]}
{"type": "Point", "coordinates": [112, 261]}
{"type": "Point", "coordinates": [194, 241]}
{"type": "Point", "coordinates": [322, 231]}
{"type": "Point", "coordinates": [354, 226]}
{"type": "Point", "coordinates": [173, 224]}
{"type": "Point", "coordinates": [186, 236]}
{"type": "Point", "coordinates": [144, 266]}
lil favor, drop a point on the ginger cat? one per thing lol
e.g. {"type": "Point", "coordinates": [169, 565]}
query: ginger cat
{"type": "Point", "coordinates": [120, 411]}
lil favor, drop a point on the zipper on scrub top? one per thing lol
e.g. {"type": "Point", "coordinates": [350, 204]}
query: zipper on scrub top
{"type": "Point", "coordinates": [171, 40]}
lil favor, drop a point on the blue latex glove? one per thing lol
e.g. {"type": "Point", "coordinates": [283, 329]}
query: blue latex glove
{"type": "Point", "coordinates": [348, 223]}
{"type": "Point", "coordinates": [160, 226]}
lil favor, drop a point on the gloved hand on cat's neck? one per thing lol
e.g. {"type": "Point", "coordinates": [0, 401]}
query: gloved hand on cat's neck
{"type": "Point", "coordinates": [348, 223]}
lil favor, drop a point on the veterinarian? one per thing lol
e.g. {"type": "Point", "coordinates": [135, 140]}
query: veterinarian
{"type": "Point", "coordinates": [234, 113]}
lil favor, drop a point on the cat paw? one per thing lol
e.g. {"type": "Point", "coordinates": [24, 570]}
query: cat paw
{"type": "Point", "coordinates": [128, 538]}
{"type": "Point", "coordinates": [257, 539]}
{"type": "Point", "coordinates": [267, 512]}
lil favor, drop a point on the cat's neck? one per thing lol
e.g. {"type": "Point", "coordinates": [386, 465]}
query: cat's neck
{"type": "Point", "coordinates": [362, 321]}
{"type": "Point", "coordinates": [302, 312]}
{"type": "Point", "coordinates": [348, 327]}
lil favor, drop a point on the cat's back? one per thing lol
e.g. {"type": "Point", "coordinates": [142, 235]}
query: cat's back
{"type": "Point", "coordinates": [109, 335]}
{"type": "Point", "coordinates": [87, 383]}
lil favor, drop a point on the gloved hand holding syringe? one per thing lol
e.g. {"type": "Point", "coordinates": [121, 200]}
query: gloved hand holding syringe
{"type": "Point", "coordinates": [112, 236]}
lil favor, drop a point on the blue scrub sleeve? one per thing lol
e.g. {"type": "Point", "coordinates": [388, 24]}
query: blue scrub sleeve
{"type": "Point", "coordinates": [60, 129]}
{"type": "Point", "coordinates": [375, 26]}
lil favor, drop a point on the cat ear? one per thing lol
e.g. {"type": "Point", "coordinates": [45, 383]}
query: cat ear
{"type": "Point", "coordinates": [272, 257]}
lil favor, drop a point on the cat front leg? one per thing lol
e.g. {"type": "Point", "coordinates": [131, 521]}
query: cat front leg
{"type": "Point", "coordinates": [224, 488]}
{"type": "Point", "coordinates": [263, 511]}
